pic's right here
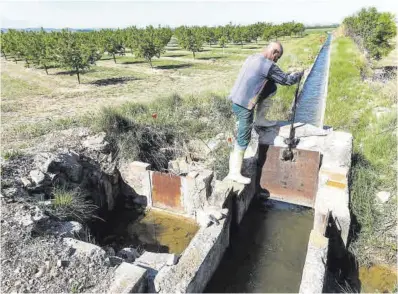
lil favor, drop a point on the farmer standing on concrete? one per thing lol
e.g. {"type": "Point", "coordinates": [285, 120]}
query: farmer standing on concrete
{"type": "Point", "coordinates": [255, 83]}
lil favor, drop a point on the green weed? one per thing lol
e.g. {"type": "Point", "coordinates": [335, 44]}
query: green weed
{"type": "Point", "coordinates": [71, 204]}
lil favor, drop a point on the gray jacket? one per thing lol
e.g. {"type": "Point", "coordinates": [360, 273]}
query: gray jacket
{"type": "Point", "coordinates": [253, 77]}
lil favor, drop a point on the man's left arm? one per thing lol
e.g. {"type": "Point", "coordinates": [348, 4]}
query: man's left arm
{"type": "Point", "coordinates": [278, 76]}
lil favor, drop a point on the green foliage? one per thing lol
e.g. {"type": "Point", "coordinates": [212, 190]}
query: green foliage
{"type": "Point", "coordinates": [71, 204]}
{"type": "Point", "coordinates": [151, 42]}
{"type": "Point", "coordinates": [350, 107]}
{"type": "Point", "coordinates": [75, 53]}
{"type": "Point", "coordinates": [190, 39]}
{"type": "Point", "coordinates": [372, 30]}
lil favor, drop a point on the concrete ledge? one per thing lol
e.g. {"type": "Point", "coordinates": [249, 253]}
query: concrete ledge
{"type": "Point", "coordinates": [198, 262]}
{"type": "Point", "coordinates": [129, 278]}
{"type": "Point", "coordinates": [314, 271]}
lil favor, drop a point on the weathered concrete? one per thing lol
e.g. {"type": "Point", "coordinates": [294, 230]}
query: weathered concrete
{"type": "Point", "coordinates": [137, 179]}
{"type": "Point", "coordinates": [196, 188]}
{"type": "Point", "coordinates": [129, 278]}
{"type": "Point", "coordinates": [84, 248]}
{"type": "Point", "coordinates": [315, 264]}
{"type": "Point", "coordinates": [153, 263]}
{"type": "Point", "coordinates": [198, 262]}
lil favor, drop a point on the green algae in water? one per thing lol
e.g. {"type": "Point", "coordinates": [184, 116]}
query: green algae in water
{"type": "Point", "coordinates": [267, 252]}
{"type": "Point", "coordinates": [154, 231]}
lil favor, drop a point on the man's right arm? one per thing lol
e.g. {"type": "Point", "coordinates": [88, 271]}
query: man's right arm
{"type": "Point", "coordinates": [278, 76]}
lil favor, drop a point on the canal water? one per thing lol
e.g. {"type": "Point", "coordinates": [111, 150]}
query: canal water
{"type": "Point", "coordinates": [267, 252]}
{"type": "Point", "coordinates": [312, 99]}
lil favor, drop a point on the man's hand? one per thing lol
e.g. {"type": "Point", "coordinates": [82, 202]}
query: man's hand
{"type": "Point", "coordinates": [300, 73]}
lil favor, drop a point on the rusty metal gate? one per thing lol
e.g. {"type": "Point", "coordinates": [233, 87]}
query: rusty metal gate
{"type": "Point", "coordinates": [289, 181]}
{"type": "Point", "coordinates": [166, 191]}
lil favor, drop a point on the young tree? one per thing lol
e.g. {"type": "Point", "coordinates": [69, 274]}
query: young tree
{"type": "Point", "coordinates": [151, 43]}
{"type": "Point", "coordinates": [223, 42]}
{"type": "Point", "coordinates": [190, 39]}
{"type": "Point", "coordinates": [75, 53]}
{"type": "Point", "coordinates": [372, 30]}
{"type": "Point", "coordinates": [237, 36]}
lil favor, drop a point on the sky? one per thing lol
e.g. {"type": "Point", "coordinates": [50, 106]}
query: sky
{"type": "Point", "coordinates": [114, 14]}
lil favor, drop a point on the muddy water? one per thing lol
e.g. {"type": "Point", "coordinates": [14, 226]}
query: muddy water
{"type": "Point", "coordinates": [312, 99]}
{"type": "Point", "coordinates": [378, 279]}
{"type": "Point", "coordinates": [267, 252]}
{"type": "Point", "coordinates": [153, 231]}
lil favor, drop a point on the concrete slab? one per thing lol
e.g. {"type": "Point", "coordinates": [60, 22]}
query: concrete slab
{"type": "Point", "coordinates": [129, 278]}
{"type": "Point", "coordinates": [136, 176]}
{"type": "Point", "coordinates": [198, 262]}
{"type": "Point", "coordinates": [315, 264]}
{"type": "Point", "coordinates": [84, 248]}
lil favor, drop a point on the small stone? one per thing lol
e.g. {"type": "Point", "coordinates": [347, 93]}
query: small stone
{"type": "Point", "coordinates": [62, 263]}
{"type": "Point", "coordinates": [172, 259]}
{"type": "Point", "coordinates": [383, 196]}
{"type": "Point", "coordinates": [110, 251]}
{"type": "Point", "coordinates": [17, 283]}
{"type": "Point", "coordinates": [37, 176]}
{"type": "Point", "coordinates": [129, 254]}
{"type": "Point", "coordinates": [202, 218]}
{"type": "Point", "coordinates": [40, 272]}
{"type": "Point", "coordinates": [97, 143]}
{"type": "Point", "coordinates": [115, 260]}
{"type": "Point", "coordinates": [39, 197]}
{"type": "Point", "coordinates": [26, 182]}
{"type": "Point", "coordinates": [30, 282]}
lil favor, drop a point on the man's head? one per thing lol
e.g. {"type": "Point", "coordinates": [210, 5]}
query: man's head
{"type": "Point", "coordinates": [273, 51]}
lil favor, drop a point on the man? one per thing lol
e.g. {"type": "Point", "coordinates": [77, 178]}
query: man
{"type": "Point", "coordinates": [256, 82]}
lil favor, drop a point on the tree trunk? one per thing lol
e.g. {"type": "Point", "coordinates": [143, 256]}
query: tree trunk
{"type": "Point", "coordinates": [27, 63]}
{"type": "Point", "coordinates": [193, 52]}
{"type": "Point", "coordinates": [15, 60]}
{"type": "Point", "coordinates": [78, 75]}
{"type": "Point", "coordinates": [150, 62]}
{"type": "Point", "coordinates": [5, 56]}
{"type": "Point", "coordinates": [114, 58]}
{"type": "Point", "coordinates": [45, 68]}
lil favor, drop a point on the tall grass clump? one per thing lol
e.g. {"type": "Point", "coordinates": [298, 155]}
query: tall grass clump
{"type": "Point", "coordinates": [352, 102]}
{"type": "Point", "coordinates": [158, 132]}
{"type": "Point", "coordinates": [71, 204]}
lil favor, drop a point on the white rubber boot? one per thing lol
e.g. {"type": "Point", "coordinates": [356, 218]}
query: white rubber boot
{"type": "Point", "coordinates": [263, 108]}
{"type": "Point", "coordinates": [235, 166]}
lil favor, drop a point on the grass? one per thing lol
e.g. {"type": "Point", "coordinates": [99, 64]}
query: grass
{"type": "Point", "coordinates": [351, 103]}
{"type": "Point", "coordinates": [71, 204]}
{"type": "Point", "coordinates": [158, 131]}
{"type": "Point", "coordinates": [14, 88]}
{"type": "Point", "coordinates": [12, 154]}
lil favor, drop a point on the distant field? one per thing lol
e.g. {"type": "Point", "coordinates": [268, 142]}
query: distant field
{"type": "Point", "coordinates": [30, 98]}
{"type": "Point", "coordinates": [319, 30]}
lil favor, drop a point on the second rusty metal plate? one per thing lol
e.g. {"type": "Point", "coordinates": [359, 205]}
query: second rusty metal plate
{"type": "Point", "coordinates": [166, 191]}
{"type": "Point", "coordinates": [290, 181]}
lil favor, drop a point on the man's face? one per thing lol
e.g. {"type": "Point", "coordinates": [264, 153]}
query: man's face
{"type": "Point", "coordinates": [276, 56]}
